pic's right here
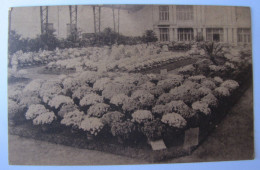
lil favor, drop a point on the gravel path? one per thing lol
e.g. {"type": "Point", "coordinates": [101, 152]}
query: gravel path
{"type": "Point", "coordinates": [232, 140]}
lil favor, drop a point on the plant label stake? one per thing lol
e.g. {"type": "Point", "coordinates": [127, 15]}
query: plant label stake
{"type": "Point", "coordinates": [191, 138]}
{"type": "Point", "coordinates": [163, 72]}
{"type": "Point", "coordinates": [158, 145]}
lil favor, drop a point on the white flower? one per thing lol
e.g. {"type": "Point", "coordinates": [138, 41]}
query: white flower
{"type": "Point", "coordinates": [186, 69]}
{"type": "Point", "coordinates": [101, 83]}
{"type": "Point", "coordinates": [203, 91]}
{"type": "Point", "coordinates": [197, 78]}
{"type": "Point", "coordinates": [209, 84]}
{"type": "Point", "coordinates": [211, 100]}
{"type": "Point", "coordinates": [33, 86]}
{"type": "Point", "coordinates": [67, 108]}
{"type": "Point", "coordinates": [90, 99]}
{"type": "Point", "coordinates": [13, 109]}
{"type": "Point", "coordinates": [218, 80]}
{"type": "Point", "coordinates": [142, 115]}
{"type": "Point", "coordinates": [201, 107]}
{"type": "Point", "coordinates": [119, 99]}
{"type": "Point", "coordinates": [81, 91]}
{"type": "Point", "coordinates": [44, 118]}
{"type": "Point", "coordinates": [143, 97]}
{"type": "Point", "coordinates": [174, 120]}
{"type": "Point", "coordinates": [181, 108]}
{"type": "Point", "coordinates": [221, 92]}
{"type": "Point", "coordinates": [231, 85]}
{"type": "Point", "coordinates": [59, 100]}
{"type": "Point", "coordinates": [34, 111]}
{"type": "Point", "coordinates": [98, 110]}
{"type": "Point", "coordinates": [161, 109]}
{"type": "Point", "coordinates": [92, 125]}
{"type": "Point", "coordinates": [73, 118]}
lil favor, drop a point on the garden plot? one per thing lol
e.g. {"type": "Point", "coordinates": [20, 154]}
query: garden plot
{"type": "Point", "coordinates": [158, 115]}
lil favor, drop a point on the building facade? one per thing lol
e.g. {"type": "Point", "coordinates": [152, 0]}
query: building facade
{"type": "Point", "coordinates": [170, 22]}
{"type": "Point", "coordinates": [210, 23]}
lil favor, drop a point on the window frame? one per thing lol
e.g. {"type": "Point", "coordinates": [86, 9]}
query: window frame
{"type": "Point", "coordinates": [184, 13]}
{"type": "Point", "coordinates": [185, 34]}
{"type": "Point", "coordinates": [244, 35]}
{"type": "Point", "coordinates": [164, 34]}
{"type": "Point", "coordinates": [164, 13]}
{"type": "Point", "coordinates": [210, 32]}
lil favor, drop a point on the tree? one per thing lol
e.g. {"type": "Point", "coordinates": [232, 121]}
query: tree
{"type": "Point", "coordinates": [149, 36]}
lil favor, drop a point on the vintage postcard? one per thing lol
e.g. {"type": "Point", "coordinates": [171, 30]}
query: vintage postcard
{"type": "Point", "coordinates": [129, 84]}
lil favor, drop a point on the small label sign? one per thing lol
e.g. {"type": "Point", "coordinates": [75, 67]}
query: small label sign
{"type": "Point", "coordinates": [158, 145]}
{"type": "Point", "coordinates": [163, 72]}
{"type": "Point", "coordinates": [191, 137]}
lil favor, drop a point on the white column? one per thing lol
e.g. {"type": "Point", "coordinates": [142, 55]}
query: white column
{"type": "Point", "coordinates": [195, 33]}
{"type": "Point", "coordinates": [174, 13]}
{"type": "Point", "coordinates": [175, 36]}
{"type": "Point", "coordinates": [171, 32]}
{"type": "Point", "coordinates": [204, 34]}
{"type": "Point", "coordinates": [225, 38]}
{"type": "Point", "coordinates": [235, 36]}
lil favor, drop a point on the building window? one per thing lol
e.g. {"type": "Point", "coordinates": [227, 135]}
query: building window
{"type": "Point", "coordinates": [164, 34]}
{"type": "Point", "coordinates": [184, 12]}
{"type": "Point", "coordinates": [185, 34]}
{"type": "Point", "coordinates": [164, 13]}
{"type": "Point", "coordinates": [215, 34]}
{"type": "Point", "coordinates": [243, 35]}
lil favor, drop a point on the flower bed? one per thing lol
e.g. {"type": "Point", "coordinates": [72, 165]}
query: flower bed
{"type": "Point", "coordinates": [116, 107]}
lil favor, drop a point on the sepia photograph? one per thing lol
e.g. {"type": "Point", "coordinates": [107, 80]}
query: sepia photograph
{"type": "Point", "coordinates": [129, 84]}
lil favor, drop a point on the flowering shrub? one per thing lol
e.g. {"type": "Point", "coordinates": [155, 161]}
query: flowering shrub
{"type": "Point", "coordinates": [197, 78]}
{"type": "Point", "coordinates": [147, 86]}
{"type": "Point", "coordinates": [89, 77]}
{"type": "Point", "coordinates": [187, 92]}
{"type": "Point", "coordinates": [40, 115]}
{"type": "Point", "coordinates": [14, 109]}
{"type": "Point", "coordinates": [66, 108]}
{"type": "Point", "coordinates": [218, 80]}
{"type": "Point", "coordinates": [141, 116]}
{"type": "Point", "coordinates": [164, 98]}
{"type": "Point", "coordinates": [211, 100]}
{"type": "Point", "coordinates": [81, 91]}
{"type": "Point", "coordinates": [116, 88]}
{"type": "Point", "coordinates": [119, 99]}
{"type": "Point", "coordinates": [44, 118]}
{"type": "Point", "coordinates": [174, 120]}
{"type": "Point", "coordinates": [73, 118]}
{"type": "Point", "coordinates": [171, 81]}
{"type": "Point", "coordinates": [201, 107]}
{"type": "Point", "coordinates": [143, 97]}
{"type": "Point", "coordinates": [221, 92]}
{"type": "Point", "coordinates": [161, 109]}
{"type": "Point", "coordinates": [123, 129]}
{"type": "Point", "coordinates": [181, 108]}
{"type": "Point", "coordinates": [92, 125]}
{"type": "Point", "coordinates": [100, 84]}
{"type": "Point", "coordinates": [153, 129]}
{"type": "Point", "coordinates": [90, 99]}
{"type": "Point", "coordinates": [231, 85]}
{"type": "Point", "coordinates": [130, 105]}
{"type": "Point", "coordinates": [49, 89]}
{"type": "Point", "coordinates": [60, 100]}
{"type": "Point", "coordinates": [34, 110]}
{"type": "Point", "coordinates": [189, 69]}
{"type": "Point", "coordinates": [112, 117]}
{"type": "Point", "coordinates": [203, 91]}
{"type": "Point", "coordinates": [98, 110]}
{"type": "Point", "coordinates": [208, 83]}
